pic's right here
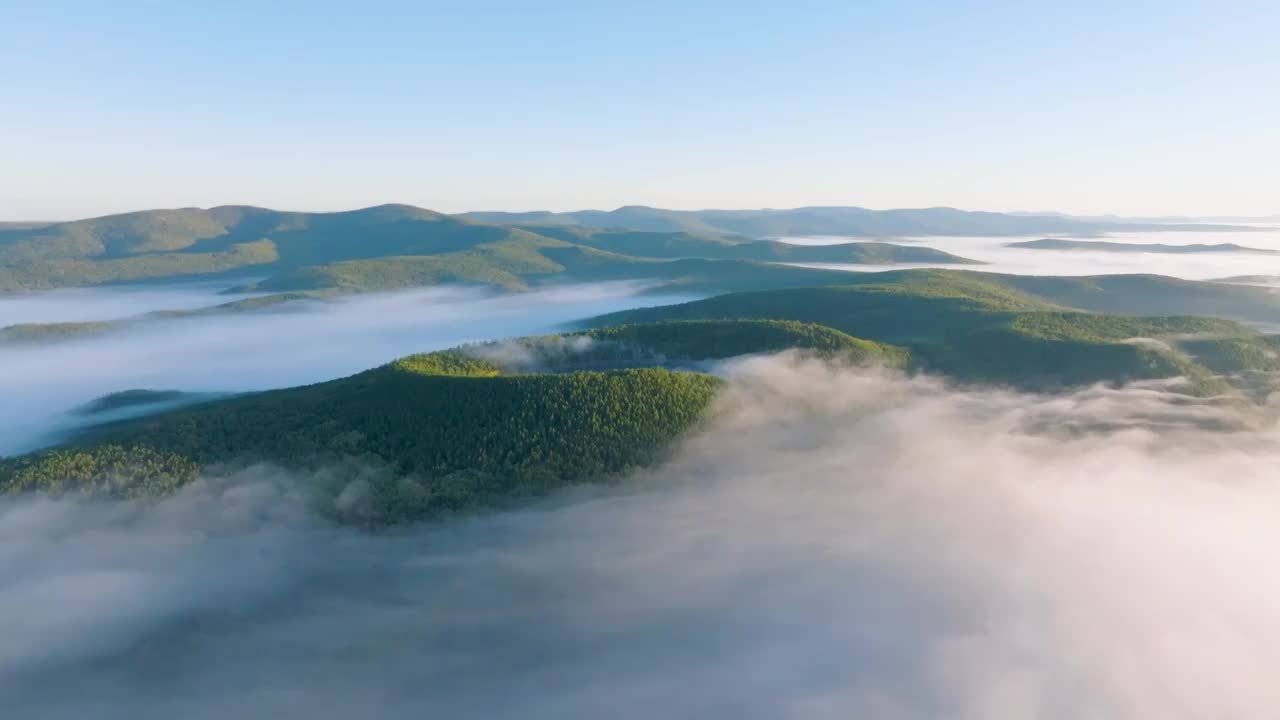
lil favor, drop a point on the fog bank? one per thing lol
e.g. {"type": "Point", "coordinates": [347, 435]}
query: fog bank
{"type": "Point", "coordinates": [835, 544]}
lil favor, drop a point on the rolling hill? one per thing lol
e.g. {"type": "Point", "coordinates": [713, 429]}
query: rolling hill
{"type": "Point", "coordinates": [387, 247]}
{"type": "Point", "coordinates": [1148, 295]}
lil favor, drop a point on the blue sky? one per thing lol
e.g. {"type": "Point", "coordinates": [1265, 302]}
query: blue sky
{"type": "Point", "coordinates": [1088, 107]}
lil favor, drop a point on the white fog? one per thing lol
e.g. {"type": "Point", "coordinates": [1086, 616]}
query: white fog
{"type": "Point", "coordinates": [837, 543]}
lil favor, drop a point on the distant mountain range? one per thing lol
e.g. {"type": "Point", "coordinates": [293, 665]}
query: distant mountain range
{"type": "Point", "coordinates": [393, 246]}
{"type": "Point", "coordinates": [845, 221]}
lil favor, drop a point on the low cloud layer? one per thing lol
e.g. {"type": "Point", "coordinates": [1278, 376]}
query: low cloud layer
{"type": "Point", "coordinates": [836, 543]}
{"type": "Point", "coordinates": [287, 345]}
{"type": "Point", "coordinates": [95, 304]}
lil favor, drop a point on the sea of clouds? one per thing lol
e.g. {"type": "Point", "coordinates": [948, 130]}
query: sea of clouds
{"type": "Point", "coordinates": [835, 543]}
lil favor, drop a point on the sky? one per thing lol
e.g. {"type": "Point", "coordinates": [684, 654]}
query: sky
{"type": "Point", "coordinates": [1089, 107]}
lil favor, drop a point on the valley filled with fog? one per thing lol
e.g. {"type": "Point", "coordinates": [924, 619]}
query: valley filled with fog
{"type": "Point", "coordinates": [831, 541]}
{"type": "Point", "coordinates": [835, 543]}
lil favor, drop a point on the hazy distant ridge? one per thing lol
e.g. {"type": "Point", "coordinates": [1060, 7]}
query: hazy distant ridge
{"type": "Point", "coordinates": [849, 221]}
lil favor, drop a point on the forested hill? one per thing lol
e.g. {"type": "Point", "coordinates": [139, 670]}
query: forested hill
{"type": "Point", "coordinates": [395, 246]}
{"type": "Point", "coordinates": [422, 436]}
{"type": "Point", "coordinates": [443, 431]}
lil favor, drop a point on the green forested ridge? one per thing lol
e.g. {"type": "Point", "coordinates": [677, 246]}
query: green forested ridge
{"type": "Point", "coordinates": [717, 339]}
{"type": "Point", "coordinates": [1114, 294]}
{"type": "Point", "coordinates": [712, 246]}
{"type": "Point", "coordinates": [571, 263]}
{"type": "Point", "coordinates": [386, 247]}
{"type": "Point", "coordinates": [976, 327]}
{"type": "Point", "coordinates": [1235, 354]}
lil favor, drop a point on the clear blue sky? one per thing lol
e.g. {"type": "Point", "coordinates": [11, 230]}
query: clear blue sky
{"type": "Point", "coordinates": [1086, 106]}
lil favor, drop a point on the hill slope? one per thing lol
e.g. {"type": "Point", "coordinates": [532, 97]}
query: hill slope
{"type": "Point", "coordinates": [1148, 295]}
